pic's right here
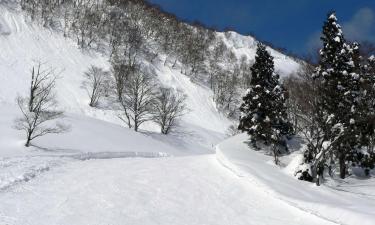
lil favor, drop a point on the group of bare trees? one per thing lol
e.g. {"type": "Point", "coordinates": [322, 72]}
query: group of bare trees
{"type": "Point", "coordinates": [138, 95]}
{"type": "Point", "coordinates": [168, 107]}
{"type": "Point", "coordinates": [137, 99]}
{"type": "Point", "coordinates": [140, 99]}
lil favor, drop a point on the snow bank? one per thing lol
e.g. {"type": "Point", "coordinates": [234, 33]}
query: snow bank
{"type": "Point", "coordinates": [118, 155]}
{"type": "Point", "coordinates": [339, 207]}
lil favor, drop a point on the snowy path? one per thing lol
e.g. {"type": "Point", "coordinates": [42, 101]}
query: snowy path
{"type": "Point", "coordinates": [178, 190]}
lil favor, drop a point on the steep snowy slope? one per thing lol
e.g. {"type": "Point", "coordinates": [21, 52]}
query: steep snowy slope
{"type": "Point", "coordinates": [24, 43]}
{"type": "Point", "coordinates": [246, 46]}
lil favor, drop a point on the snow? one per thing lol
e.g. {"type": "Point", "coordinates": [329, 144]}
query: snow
{"type": "Point", "coordinates": [86, 135]}
{"type": "Point", "coordinates": [4, 29]}
{"type": "Point", "coordinates": [101, 172]}
{"type": "Point", "coordinates": [185, 190]}
{"type": "Point", "coordinates": [342, 207]}
{"type": "Point", "coordinates": [333, 16]}
{"type": "Point", "coordinates": [246, 46]}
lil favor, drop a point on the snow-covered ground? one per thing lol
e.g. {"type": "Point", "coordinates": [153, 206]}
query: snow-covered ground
{"type": "Point", "coordinates": [101, 173]}
{"type": "Point", "coordinates": [184, 190]}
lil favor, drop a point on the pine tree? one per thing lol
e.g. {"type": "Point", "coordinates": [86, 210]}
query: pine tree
{"type": "Point", "coordinates": [340, 100]}
{"type": "Point", "coordinates": [263, 109]}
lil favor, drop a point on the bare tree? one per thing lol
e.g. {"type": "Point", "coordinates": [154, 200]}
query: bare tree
{"type": "Point", "coordinates": [307, 118]}
{"type": "Point", "coordinates": [95, 84]}
{"type": "Point", "coordinates": [121, 72]}
{"type": "Point", "coordinates": [169, 107]}
{"type": "Point", "coordinates": [37, 108]}
{"type": "Point", "coordinates": [42, 83]}
{"type": "Point", "coordinates": [137, 99]}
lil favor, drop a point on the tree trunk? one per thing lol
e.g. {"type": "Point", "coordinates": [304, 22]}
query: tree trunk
{"type": "Point", "coordinates": [174, 64]}
{"type": "Point", "coordinates": [342, 166]}
{"type": "Point", "coordinates": [136, 125]}
{"type": "Point", "coordinates": [27, 144]}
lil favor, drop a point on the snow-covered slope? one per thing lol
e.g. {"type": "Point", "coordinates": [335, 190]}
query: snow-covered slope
{"type": "Point", "coordinates": [246, 46]}
{"type": "Point", "coordinates": [24, 43]}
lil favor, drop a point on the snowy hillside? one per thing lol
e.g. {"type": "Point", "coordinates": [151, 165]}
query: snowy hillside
{"type": "Point", "coordinates": [246, 46]}
{"type": "Point", "coordinates": [100, 172]}
{"type": "Point", "coordinates": [24, 43]}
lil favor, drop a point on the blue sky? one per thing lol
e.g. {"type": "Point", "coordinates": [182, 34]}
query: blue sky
{"type": "Point", "coordinates": [292, 24]}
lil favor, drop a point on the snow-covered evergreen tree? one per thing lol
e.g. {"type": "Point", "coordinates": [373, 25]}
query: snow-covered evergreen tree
{"type": "Point", "coordinates": [263, 109]}
{"type": "Point", "coordinates": [366, 159]}
{"type": "Point", "coordinates": [341, 98]}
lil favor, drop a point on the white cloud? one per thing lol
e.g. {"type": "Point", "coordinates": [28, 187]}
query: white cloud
{"type": "Point", "coordinates": [362, 26]}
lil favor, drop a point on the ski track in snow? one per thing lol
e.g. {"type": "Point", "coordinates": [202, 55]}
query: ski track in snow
{"type": "Point", "coordinates": [17, 170]}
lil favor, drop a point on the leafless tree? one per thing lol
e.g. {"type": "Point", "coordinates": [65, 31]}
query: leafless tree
{"type": "Point", "coordinates": [95, 84]}
{"type": "Point", "coordinates": [121, 72]}
{"type": "Point", "coordinates": [137, 99]}
{"type": "Point", "coordinates": [169, 107]}
{"type": "Point", "coordinates": [38, 108]}
{"type": "Point", "coordinates": [42, 83]}
{"type": "Point", "coordinates": [306, 116]}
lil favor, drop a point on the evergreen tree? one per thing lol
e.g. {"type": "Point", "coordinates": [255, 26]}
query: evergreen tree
{"type": "Point", "coordinates": [366, 159]}
{"type": "Point", "coordinates": [340, 96]}
{"type": "Point", "coordinates": [263, 111]}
